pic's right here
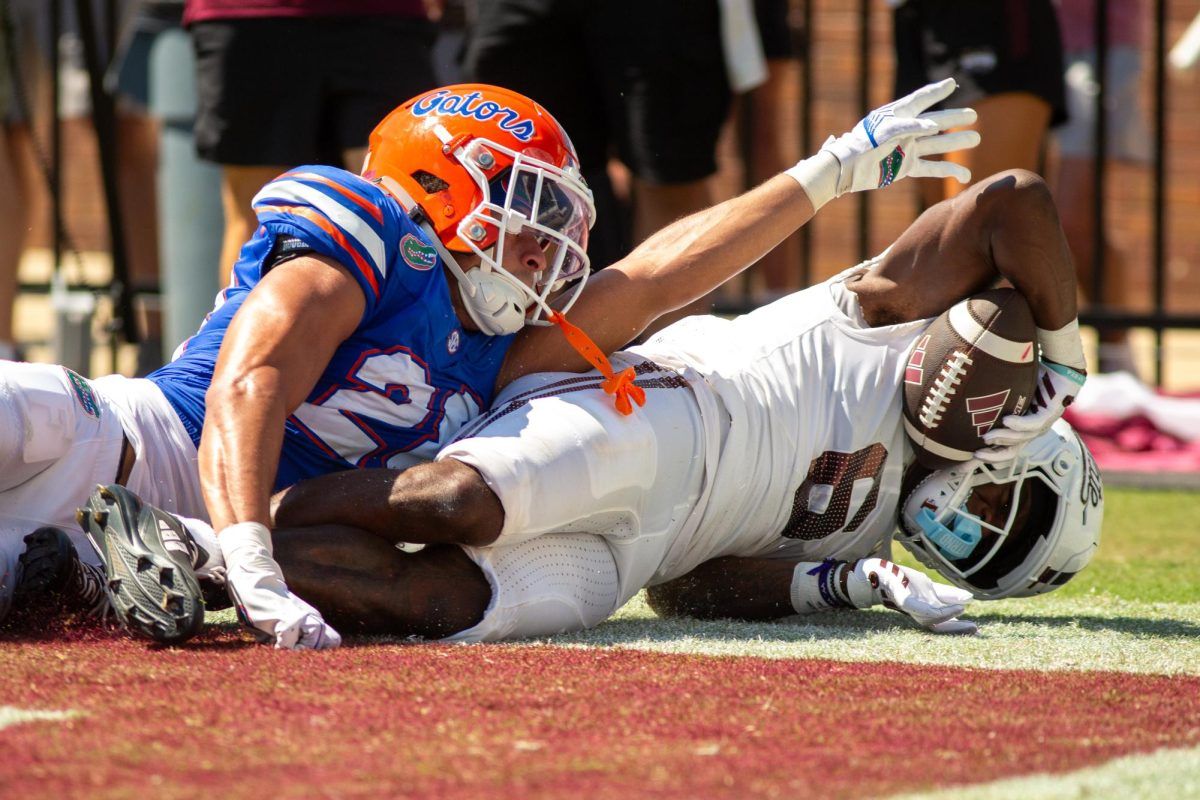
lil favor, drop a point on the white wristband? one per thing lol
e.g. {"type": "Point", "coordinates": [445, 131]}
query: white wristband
{"type": "Point", "coordinates": [817, 586]}
{"type": "Point", "coordinates": [1063, 346]}
{"type": "Point", "coordinates": [818, 177]}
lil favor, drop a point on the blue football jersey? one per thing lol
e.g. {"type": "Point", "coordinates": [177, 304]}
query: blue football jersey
{"type": "Point", "coordinates": [408, 377]}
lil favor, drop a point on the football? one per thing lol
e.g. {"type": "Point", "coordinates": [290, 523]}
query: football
{"type": "Point", "coordinates": [974, 365]}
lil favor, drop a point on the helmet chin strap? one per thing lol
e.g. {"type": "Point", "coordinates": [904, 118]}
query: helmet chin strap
{"type": "Point", "coordinates": [493, 303]}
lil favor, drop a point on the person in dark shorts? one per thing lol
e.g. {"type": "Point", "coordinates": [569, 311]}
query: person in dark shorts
{"type": "Point", "coordinates": [288, 82]}
{"type": "Point", "coordinates": [644, 82]}
{"type": "Point", "coordinates": [1007, 57]}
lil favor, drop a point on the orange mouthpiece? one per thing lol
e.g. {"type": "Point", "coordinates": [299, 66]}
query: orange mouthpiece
{"type": "Point", "coordinates": [621, 386]}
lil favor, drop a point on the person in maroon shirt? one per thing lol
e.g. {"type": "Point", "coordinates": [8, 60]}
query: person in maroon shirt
{"type": "Point", "coordinates": [287, 82]}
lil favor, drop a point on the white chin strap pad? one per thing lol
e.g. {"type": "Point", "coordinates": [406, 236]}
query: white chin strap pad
{"type": "Point", "coordinates": [495, 304]}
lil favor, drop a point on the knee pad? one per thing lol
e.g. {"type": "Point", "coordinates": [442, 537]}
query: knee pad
{"type": "Point", "coordinates": [555, 583]}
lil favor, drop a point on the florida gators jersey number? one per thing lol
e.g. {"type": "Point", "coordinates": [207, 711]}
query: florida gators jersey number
{"type": "Point", "coordinates": [407, 378]}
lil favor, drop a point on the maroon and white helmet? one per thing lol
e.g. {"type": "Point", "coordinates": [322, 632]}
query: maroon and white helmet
{"type": "Point", "coordinates": [1055, 475]}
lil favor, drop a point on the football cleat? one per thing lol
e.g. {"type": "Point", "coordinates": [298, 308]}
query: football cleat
{"type": "Point", "coordinates": [51, 568]}
{"type": "Point", "coordinates": [148, 558]}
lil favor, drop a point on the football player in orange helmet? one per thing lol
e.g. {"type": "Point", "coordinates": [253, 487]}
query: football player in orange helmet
{"type": "Point", "coordinates": [477, 166]}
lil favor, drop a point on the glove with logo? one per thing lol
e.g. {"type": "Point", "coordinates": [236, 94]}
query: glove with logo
{"type": "Point", "coordinates": [932, 605]}
{"type": "Point", "coordinates": [888, 144]}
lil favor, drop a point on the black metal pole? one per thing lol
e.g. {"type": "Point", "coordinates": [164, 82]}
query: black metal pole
{"type": "Point", "coordinates": [864, 103]}
{"type": "Point", "coordinates": [55, 136]}
{"type": "Point", "coordinates": [806, 115]}
{"type": "Point", "coordinates": [1099, 153]}
{"type": "Point", "coordinates": [104, 120]}
{"type": "Point", "coordinates": [1158, 235]}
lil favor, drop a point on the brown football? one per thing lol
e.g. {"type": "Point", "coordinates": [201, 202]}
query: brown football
{"type": "Point", "coordinates": [973, 366]}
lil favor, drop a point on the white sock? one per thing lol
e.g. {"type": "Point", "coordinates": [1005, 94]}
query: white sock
{"type": "Point", "coordinates": [212, 567]}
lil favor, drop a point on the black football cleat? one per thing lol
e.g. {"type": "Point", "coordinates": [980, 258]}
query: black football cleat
{"type": "Point", "coordinates": [51, 569]}
{"type": "Point", "coordinates": [148, 565]}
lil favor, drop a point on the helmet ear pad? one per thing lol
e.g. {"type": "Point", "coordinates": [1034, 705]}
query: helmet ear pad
{"type": "Point", "coordinates": [494, 301]}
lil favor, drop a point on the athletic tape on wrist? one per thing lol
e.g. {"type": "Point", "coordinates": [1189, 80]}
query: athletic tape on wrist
{"type": "Point", "coordinates": [818, 177]}
{"type": "Point", "coordinates": [819, 587]}
{"type": "Point", "coordinates": [1063, 346]}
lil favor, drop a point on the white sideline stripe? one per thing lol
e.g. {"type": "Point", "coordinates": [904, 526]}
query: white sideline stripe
{"type": "Point", "coordinates": [342, 216]}
{"type": "Point", "coordinates": [11, 715]}
{"type": "Point", "coordinates": [997, 346]}
{"type": "Point", "coordinates": [1093, 632]}
{"type": "Point", "coordinates": [934, 447]}
{"type": "Point", "coordinates": [1149, 776]}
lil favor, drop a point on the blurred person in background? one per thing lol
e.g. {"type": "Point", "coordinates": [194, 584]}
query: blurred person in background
{"type": "Point", "coordinates": [25, 52]}
{"type": "Point", "coordinates": [1128, 140]}
{"type": "Point", "coordinates": [287, 82]}
{"type": "Point", "coordinates": [1007, 58]}
{"type": "Point", "coordinates": [770, 151]}
{"type": "Point", "coordinates": [645, 83]}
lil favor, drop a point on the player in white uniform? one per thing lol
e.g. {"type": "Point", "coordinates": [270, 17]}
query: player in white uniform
{"type": "Point", "coordinates": [767, 445]}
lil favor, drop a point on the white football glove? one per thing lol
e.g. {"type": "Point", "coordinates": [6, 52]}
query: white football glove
{"type": "Point", "coordinates": [256, 584]}
{"type": "Point", "coordinates": [1057, 388]}
{"type": "Point", "coordinates": [934, 606]}
{"type": "Point", "coordinates": [889, 143]}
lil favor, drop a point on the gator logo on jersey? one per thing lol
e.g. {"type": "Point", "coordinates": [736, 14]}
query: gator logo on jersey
{"type": "Point", "coordinates": [84, 394]}
{"type": "Point", "coordinates": [453, 341]}
{"type": "Point", "coordinates": [985, 410]}
{"type": "Point", "coordinates": [417, 254]}
{"type": "Point", "coordinates": [444, 102]}
{"type": "Point", "coordinates": [914, 372]}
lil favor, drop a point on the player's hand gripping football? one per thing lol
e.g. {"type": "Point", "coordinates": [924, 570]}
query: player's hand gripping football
{"type": "Point", "coordinates": [934, 606]}
{"type": "Point", "coordinates": [1061, 375]}
{"type": "Point", "coordinates": [892, 141]}
{"type": "Point", "coordinates": [256, 584]}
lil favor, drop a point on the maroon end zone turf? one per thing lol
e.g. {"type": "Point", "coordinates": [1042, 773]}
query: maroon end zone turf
{"type": "Point", "coordinates": [230, 720]}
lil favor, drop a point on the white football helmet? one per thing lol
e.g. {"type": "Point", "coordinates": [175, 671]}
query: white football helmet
{"type": "Point", "coordinates": [1056, 540]}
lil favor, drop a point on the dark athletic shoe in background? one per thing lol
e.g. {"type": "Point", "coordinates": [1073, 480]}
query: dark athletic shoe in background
{"type": "Point", "coordinates": [52, 572]}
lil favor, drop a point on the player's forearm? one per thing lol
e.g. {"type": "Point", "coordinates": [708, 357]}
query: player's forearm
{"type": "Point", "coordinates": [443, 502]}
{"type": "Point", "coordinates": [239, 450]}
{"type": "Point", "coordinates": [730, 587]}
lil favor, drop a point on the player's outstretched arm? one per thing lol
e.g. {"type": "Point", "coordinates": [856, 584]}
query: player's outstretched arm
{"type": "Point", "coordinates": [278, 343]}
{"type": "Point", "coordinates": [765, 589]}
{"type": "Point", "coordinates": [692, 256]}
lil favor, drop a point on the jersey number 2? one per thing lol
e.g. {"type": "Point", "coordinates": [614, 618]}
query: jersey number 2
{"type": "Point", "coordinates": [386, 411]}
{"type": "Point", "coordinates": [834, 475]}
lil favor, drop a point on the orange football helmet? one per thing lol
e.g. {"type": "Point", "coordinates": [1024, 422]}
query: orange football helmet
{"type": "Point", "coordinates": [481, 164]}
